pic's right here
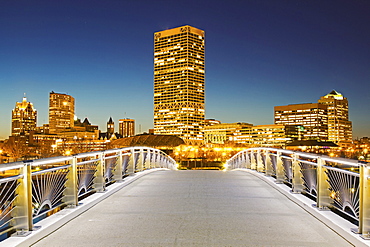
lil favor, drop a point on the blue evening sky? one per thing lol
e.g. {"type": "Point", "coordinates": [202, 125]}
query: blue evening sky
{"type": "Point", "coordinates": [259, 54]}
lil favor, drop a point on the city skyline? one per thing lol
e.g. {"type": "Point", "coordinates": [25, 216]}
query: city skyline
{"type": "Point", "coordinates": [259, 55]}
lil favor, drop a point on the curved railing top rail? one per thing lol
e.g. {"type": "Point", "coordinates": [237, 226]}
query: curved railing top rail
{"type": "Point", "coordinates": [38, 162]}
{"type": "Point", "coordinates": [344, 161]}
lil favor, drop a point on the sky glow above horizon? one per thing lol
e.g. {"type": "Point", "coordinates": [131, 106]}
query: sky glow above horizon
{"type": "Point", "coordinates": [259, 54]}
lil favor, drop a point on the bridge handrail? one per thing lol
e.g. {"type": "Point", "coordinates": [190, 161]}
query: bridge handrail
{"type": "Point", "coordinates": [33, 189]}
{"type": "Point", "coordinates": [336, 183]}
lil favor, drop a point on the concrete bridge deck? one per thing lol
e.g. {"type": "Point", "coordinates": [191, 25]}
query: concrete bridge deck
{"type": "Point", "coordinates": [195, 208]}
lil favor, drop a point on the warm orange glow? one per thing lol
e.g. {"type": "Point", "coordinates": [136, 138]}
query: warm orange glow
{"type": "Point", "coordinates": [333, 195]}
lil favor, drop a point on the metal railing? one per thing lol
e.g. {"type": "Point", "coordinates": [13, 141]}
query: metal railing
{"type": "Point", "coordinates": [32, 190]}
{"type": "Point", "coordinates": [335, 183]}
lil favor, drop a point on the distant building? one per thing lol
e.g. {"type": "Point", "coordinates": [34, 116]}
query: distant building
{"type": "Point", "coordinates": [126, 127]}
{"type": "Point", "coordinates": [210, 122]}
{"type": "Point", "coordinates": [61, 112]}
{"type": "Point", "coordinates": [24, 118]}
{"type": "Point", "coordinates": [272, 135]}
{"type": "Point", "coordinates": [85, 126]}
{"type": "Point", "coordinates": [310, 118]}
{"type": "Point", "coordinates": [110, 128]}
{"type": "Point", "coordinates": [339, 127]}
{"type": "Point", "coordinates": [179, 72]}
{"type": "Point", "coordinates": [223, 133]}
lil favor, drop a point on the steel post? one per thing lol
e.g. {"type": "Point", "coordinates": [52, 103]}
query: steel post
{"type": "Point", "coordinates": [297, 181]}
{"type": "Point", "coordinates": [260, 165]}
{"type": "Point", "coordinates": [268, 167]}
{"type": "Point", "coordinates": [118, 171]}
{"type": "Point", "coordinates": [364, 218]}
{"type": "Point", "coordinates": [99, 179]}
{"type": "Point", "coordinates": [280, 175]}
{"type": "Point", "coordinates": [323, 193]}
{"type": "Point", "coordinates": [22, 216]}
{"type": "Point", "coordinates": [70, 195]}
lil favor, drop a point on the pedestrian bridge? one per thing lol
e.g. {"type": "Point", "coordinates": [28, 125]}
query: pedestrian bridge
{"type": "Point", "coordinates": [136, 197]}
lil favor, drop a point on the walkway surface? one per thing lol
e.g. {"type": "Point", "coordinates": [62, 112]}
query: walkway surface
{"type": "Point", "coordinates": [195, 208]}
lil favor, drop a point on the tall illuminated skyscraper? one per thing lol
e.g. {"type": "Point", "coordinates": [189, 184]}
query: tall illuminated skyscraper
{"type": "Point", "coordinates": [61, 112]}
{"type": "Point", "coordinates": [24, 118]}
{"type": "Point", "coordinates": [179, 72]}
{"type": "Point", "coordinates": [339, 127]}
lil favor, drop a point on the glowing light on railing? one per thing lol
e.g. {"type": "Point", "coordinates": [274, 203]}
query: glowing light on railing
{"type": "Point", "coordinates": [50, 161]}
{"type": "Point", "coordinates": [333, 195]}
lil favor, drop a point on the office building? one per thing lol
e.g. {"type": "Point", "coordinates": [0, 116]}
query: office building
{"type": "Point", "coordinates": [126, 127]}
{"type": "Point", "coordinates": [225, 132]}
{"type": "Point", "coordinates": [24, 118]}
{"type": "Point", "coordinates": [311, 119]}
{"type": "Point", "coordinates": [273, 135]}
{"type": "Point", "coordinates": [339, 127]}
{"type": "Point", "coordinates": [179, 73]}
{"type": "Point", "coordinates": [61, 112]}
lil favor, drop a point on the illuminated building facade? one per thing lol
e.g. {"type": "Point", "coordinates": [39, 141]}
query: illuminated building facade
{"type": "Point", "coordinates": [61, 112]}
{"type": "Point", "coordinates": [126, 127]}
{"type": "Point", "coordinates": [179, 73]}
{"type": "Point", "coordinates": [311, 119]}
{"type": "Point", "coordinates": [339, 127]}
{"type": "Point", "coordinates": [224, 133]}
{"type": "Point", "coordinates": [270, 135]}
{"type": "Point", "coordinates": [24, 118]}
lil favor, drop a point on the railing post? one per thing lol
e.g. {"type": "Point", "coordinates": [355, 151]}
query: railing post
{"type": "Point", "coordinates": [323, 193]}
{"type": "Point", "coordinates": [156, 159]}
{"type": "Point", "coordinates": [131, 162]}
{"type": "Point", "coordinates": [99, 180]}
{"type": "Point", "coordinates": [260, 166]}
{"type": "Point", "coordinates": [22, 216]}
{"type": "Point", "coordinates": [248, 160]}
{"type": "Point", "coordinates": [241, 161]}
{"type": "Point", "coordinates": [280, 175]}
{"type": "Point", "coordinates": [364, 218]}
{"type": "Point", "coordinates": [118, 171]}
{"type": "Point", "coordinates": [147, 159]}
{"type": "Point", "coordinates": [253, 161]}
{"type": "Point", "coordinates": [297, 181]}
{"type": "Point", "coordinates": [71, 192]}
{"type": "Point", "coordinates": [268, 163]}
{"type": "Point", "coordinates": [160, 160]}
{"type": "Point", "coordinates": [140, 160]}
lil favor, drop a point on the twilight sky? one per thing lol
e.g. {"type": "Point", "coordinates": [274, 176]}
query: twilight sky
{"type": "Point", "coordinates": [259, 54]}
